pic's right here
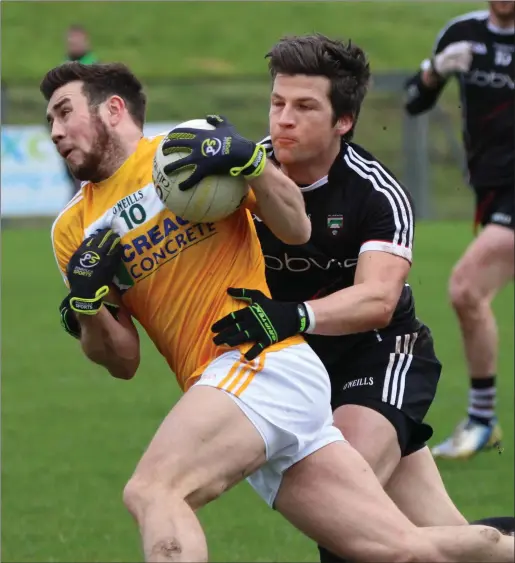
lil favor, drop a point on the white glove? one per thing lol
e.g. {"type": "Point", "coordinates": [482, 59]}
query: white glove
{"type": "Point", "coordinates": [456, 57]}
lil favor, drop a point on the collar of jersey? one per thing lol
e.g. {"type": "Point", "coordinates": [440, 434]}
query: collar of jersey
{"type": "Point", "coordinates": [500, 30]}
{"type": "Point", "coordinates": [323, 181]}
{"type": "Point", "coordinates": [318, 184]}
{"type": "Point", "coordinates": [118, 172]}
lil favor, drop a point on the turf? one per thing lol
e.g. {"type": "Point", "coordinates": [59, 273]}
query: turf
{"type": "Point", "coordinates": [169, 39]}
{"type": "Point", "coordinates": [71, 435]}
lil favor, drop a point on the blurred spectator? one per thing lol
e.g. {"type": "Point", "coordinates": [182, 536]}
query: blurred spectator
{"type": "Point", "coordinates": [78, 49]}
{"type": "Point", "coordinates": [78, 46]}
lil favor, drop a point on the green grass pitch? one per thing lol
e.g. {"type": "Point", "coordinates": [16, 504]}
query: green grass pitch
{"type": "Point", "coordinates": [71, 435]}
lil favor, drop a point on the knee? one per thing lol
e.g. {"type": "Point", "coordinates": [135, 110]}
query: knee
{"type": "Point", "coordinates": [137, 495]}
{"type": "Point", "coordinates": [141, 492]}
{"type": "Point", "coordinates": [491, 535]}
{"type": "Point", "coordinates": [462, 292]}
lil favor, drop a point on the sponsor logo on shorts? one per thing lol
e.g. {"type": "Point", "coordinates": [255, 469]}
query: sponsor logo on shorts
{"type": "Point", "coordinates": [501, 218]}
{"type": "Point", "coordinates": [361, 382]}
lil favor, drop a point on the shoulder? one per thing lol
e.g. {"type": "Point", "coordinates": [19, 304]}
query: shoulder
{"type": "Point", "coordinates": [461, 27]}
{"type": "Point", "coordinates": [155, 139]}
{"type": "Point", "coordinates": [70, 219]}
{"type": "Point", "coordinates": [149, 143]}
{"type": "Point", "coordinates": [381, 190]}
{"type": "Point", "coordinates": [369, 170]}
{"type": "Point", "coordinates": [67, 231]}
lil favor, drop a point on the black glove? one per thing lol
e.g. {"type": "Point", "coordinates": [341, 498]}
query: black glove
{"type": "Point", "coordinates": [264, 322]}
{"type": "Point", "coordinates": [69, 321]}
{"type": "Point", "coordinates": [91, 269]}
{"type": "Point", "coordinates": [220, 151]}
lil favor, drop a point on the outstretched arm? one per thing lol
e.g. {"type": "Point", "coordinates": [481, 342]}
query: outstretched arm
{"type": "Point", "coordinates": [279, 203]}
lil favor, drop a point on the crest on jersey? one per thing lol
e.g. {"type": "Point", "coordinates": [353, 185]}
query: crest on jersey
{"type": "Point", "coordinates": [335, 223]}
{"type": "Point", "coordinates": [502, 57]}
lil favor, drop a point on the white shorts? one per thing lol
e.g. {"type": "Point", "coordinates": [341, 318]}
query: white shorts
{"type": "Point", "coordinates": [286, 395]}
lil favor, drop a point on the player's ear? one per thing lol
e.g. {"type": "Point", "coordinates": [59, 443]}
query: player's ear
{"type": "Point", "coordinates": [114, 109]}
{"type": "Point", "coordinates": [344, 124]}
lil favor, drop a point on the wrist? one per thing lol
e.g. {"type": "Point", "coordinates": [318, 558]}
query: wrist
{"type": "Point", "coordinates": [256, 164]}
{"type": "Point", "coordinates": [311, 318]}
{"type": "Point", "coordinates": [434, 72]}
{"type": "Point", "coordinates": [88, 304]}
{"type": "Point", "coordinates": [306, 315]}
{"type": "Point", "coordinates": [87, 320]}
{"type": "Point", "coordinates": [267, 178]}
{"type": "Point", "coordinates": [430, 76]}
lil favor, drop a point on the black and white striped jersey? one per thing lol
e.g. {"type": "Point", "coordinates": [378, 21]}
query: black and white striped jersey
{"type": "Point", "coordinates": [487, 93]}
{"type": "Point", "coordinates": [359, 206]}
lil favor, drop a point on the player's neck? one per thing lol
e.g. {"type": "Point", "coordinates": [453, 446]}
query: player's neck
{"type": "Point", "coordinates": [504, 23]}
{"type": "Point", "coordinates": [308, 172]}
{"type": "Point", "coordinates": [120, 155]}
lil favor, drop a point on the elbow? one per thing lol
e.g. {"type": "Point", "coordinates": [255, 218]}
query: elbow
{"type": "Point", "coordinates": [125, 368]}
{"type": "Point", "coordinates": [124, 375]}
{"type": "Point", "coordinates": [118, 367]}
{"type": "Point", "coordinates": [385, 311]}
{"type": "Point", "coordinates": [299, 234]}
{"type": "Point", "coordinates": [414, 109]}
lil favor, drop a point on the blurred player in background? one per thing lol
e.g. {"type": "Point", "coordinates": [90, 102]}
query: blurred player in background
{"type": "Point", "coordinates": [78, 48]}
{"type": "Point", "coordinates": [78, 45]}
{"type": "Point", "coordinates": [268, 419]}
{"type": "Point", "coordinates": [352, 275]}
{"type": "Point", "coordinates": [479, 50]}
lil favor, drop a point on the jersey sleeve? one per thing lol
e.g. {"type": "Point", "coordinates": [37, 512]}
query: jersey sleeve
{"type": "Point", "coordinates": [389, 223]}
{"type": "Point", "coordinates": [447, 35]}
{"type": "Point", "coordinates": [67, 236]}
{"type": "Point", "coordinates": [420, 98]}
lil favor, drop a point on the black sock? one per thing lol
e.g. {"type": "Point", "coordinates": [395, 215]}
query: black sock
{"type": "Point", "coordinates": [328, 557]}
{"type": "Point", "coordinates": [482, 399]}
{"type": "Point", "coordinates": [505, 524]}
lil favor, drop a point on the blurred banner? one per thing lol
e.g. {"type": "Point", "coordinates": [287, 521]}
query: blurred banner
{"type": "Point", "coordinates": [33, 177]}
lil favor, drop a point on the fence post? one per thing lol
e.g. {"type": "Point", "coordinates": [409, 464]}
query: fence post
{"type": "Point", "coordinates": [415, 140]}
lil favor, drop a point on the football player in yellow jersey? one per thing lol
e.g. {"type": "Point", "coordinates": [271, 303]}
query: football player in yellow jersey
{"type": "Point", "coordinates": [268, 419]}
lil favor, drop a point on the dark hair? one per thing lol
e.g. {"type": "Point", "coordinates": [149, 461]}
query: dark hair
{"type": "Point", "coordinates": [344, 64]}
{"type": "Point", "coordinates": [99, 81]}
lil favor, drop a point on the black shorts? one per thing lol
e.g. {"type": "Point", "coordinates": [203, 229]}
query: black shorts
{"type": "Point", "coordinates": [495, 206]}
{"type": "Point", "coordinates": [396, 375]}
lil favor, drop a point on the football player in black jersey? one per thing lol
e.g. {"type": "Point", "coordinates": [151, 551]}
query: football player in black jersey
{"type": "Point", "coordinates": [479, 50]}
{"type": "Point", "coordinates": [383, 379]}
{"type": "Point", "coordinates": [349, 280]}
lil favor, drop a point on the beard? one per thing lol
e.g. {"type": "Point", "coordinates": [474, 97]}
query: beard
{"type": "Point", "coordinates": [104, 157]}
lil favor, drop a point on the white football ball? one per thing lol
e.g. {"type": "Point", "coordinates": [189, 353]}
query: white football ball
{"type": "Point", "coordinates": [214, 198]}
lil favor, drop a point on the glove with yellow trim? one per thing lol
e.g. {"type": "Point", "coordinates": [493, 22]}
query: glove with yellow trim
{"type": "Point", "coordinates": [69, 321]}
{"type": "Point", "coordinates": [91, 270]}
{"type": "Point", "coordinates": [263, 323]}
{"type": "Point", "coordinates": [221, 151]}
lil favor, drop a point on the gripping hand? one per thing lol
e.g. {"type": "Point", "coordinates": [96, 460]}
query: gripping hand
{"type": "Point", "coordinates": [263, 322]}
{"type": "Point", "coordinates": [221, 151]}
{"type": "Point", "coordinates": [456, 57]}
{"type": "Point", "coordinates": [91, 270]}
